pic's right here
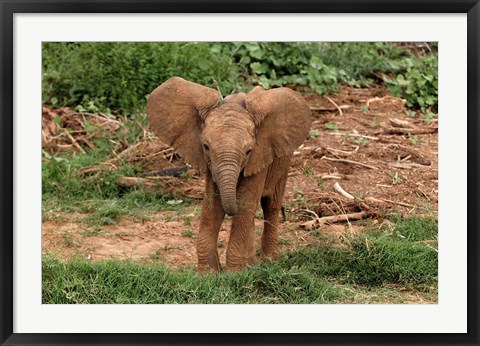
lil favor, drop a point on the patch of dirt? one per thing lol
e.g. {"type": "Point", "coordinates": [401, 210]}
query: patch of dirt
{"type": "Point", "coordinates": [168, 238]}
{"type": "Point", "coordinates": [362, 139]}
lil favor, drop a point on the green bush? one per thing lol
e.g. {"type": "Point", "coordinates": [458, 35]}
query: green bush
{"type": "Point", "coordinates": [356, 62]}
{"type": "Point", "coordinates": [117, 76]}
{"type": "Point", "coordinates": [281, 63]}
{"type": "Point", "coordinates": [418, 84]}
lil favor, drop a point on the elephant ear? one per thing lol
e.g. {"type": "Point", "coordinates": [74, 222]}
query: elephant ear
{"type": "Point", "coordinates": [282, 118]}
{"type": "Point", "coordinates": [176, 110]}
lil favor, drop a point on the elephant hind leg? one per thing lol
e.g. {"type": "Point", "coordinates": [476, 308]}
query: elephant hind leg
{"type": "Point", "coordinates": [271, 210]}
{"type": "Point", "coordinates": [272, 205]}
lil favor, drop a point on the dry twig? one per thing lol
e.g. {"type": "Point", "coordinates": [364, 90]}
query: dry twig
{"type": "Point", "coordinates": [332, 219]}
{"type": "Point", "coordinates": [352, 135]}
{"type": "Point", "coordinates": [341, 191]}
{"type": "Point", "coordinates": [349, 161]}
{"type": "Point", "coordinates": [411, 131]}
{"type": "Point", "coordinates": [325, 109]}
{"type": "Point", "coordinates": [377, 200]}
{"type": "Point", "coordinates": [330, 176]}
{"type": "Point", "coordinates": [407, 165]}
{"type": "Point", "coordinates": [73, 141]}
{"type": "Point", "coordinates": [336, 106]}
{"type": "Point", "coordinates": [399, 123]}
{"type": "Point", "coordinates": [343, 152]}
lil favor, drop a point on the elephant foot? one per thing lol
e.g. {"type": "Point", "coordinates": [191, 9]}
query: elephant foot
{"type": "Point", "coordinates": [255, 259]}
{"type": "Point", "coordinates": [205, 269]}
{"type": "Point", "coordinates": [237, 264]}
{"type": "Point", "coordinates": [208, 263]}
{"type": "Point", "coordinates": [235, 269]}
{"type": "Point", "coordinates": [271, 252]}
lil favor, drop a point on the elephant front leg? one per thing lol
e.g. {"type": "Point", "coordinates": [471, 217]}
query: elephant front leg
{"type": "Point", "coordinates": [241, 245]}
{"type": "Point", "coordinates": [210, 223]}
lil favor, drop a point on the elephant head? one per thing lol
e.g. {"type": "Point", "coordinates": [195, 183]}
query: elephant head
{"type": "Point", "coordinates": [233, 138]}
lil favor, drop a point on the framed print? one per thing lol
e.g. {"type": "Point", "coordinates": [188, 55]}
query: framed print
{"type": "Point", "coordinates": [254, 172]}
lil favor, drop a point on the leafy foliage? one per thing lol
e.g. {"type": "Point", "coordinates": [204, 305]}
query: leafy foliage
{"type": "Point", "coordinates": [113, 76]}
{"type": "Point", "coordinates": [418, 84]}
{"type": "Point", "coordinates": [279, 63]}
{"type": "Point", "coordinates": [118, 76]}
{"type": "Point", "coordinates": [356, 62]}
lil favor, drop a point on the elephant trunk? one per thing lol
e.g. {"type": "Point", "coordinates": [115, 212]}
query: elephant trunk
{"type": "Point", "coordinates": [227, 177]}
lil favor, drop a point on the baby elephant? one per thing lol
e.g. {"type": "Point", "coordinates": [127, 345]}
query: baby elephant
{"type": "Point", "coordinates": [244, 144]}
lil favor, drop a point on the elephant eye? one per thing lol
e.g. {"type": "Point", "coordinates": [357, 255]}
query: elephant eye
{"type": "Point", "coordinates": [248, 152]}
{"type": "Point", "coordinates": [205, 146]}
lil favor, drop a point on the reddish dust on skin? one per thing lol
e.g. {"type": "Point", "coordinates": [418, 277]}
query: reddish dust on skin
{"type": "Point", "coordinates": [374, 150]}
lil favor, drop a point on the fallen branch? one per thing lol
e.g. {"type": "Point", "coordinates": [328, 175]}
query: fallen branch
{"type": "Point", "coordinates": [399, 123]}
{"type": "Point", "coordinates": [102, 117]}
{"type": "Point", "coordinates": [174, 171]}
{"type": "Point", "coordinates": [374, 99]}
{"type": "Point", "coordinates": [88, 143]}
{"type": "Point", "coordinates": [343, 152]}
{"type": "Point", "coordinates": [389, 139]}
{"type": "Point", "coordinates": [330, 176]}
{"type": "Point", "coordinates": [314, 214]}
{"type": "Point", "coordinates": [325, 109]}
{"type": "Point", "coordinates": [322, 109]}
{"type": "Point", "coordinates": [352, 135]}
{"type": "Point", "coordinates": [149, 156]}
{"type": "Point", "coordinates": [349, 161]}
{"type": "Point", "coordinates": [336, 106]}
{"type": "Point", "coordinates": [150, 183]}
{"type": "Point", "coordinates": [341, 191]}
{"type": "Point", "coordinates": [407, 165]}
{"type": "Point", "coordinates": [424, 194]}
{"type": "Point", "coordinates": [162, 185]}
{"type": "Point", "coordinates": [411, 131]}
{"type": "Point", "coordinates": [378, 200]}
{"type": "Point", "coordinates": [73, 141]}
{"type": "Point", "coordinates": [332, 219]}
{"type": "Point", "coordinates": [97, 168]}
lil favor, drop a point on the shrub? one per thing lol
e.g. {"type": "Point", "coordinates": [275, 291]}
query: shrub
{"type": "Point", "coordinates": [418, 84]}
{"type": "Point", "coordinates": [280, 63]}
{"type": "Point", "coordinates": [117, 76]}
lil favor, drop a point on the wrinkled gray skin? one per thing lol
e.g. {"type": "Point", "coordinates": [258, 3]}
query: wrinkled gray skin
{"type": "Point", "coordinates": [244, 145]}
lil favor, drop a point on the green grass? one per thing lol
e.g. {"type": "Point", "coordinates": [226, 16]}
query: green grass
{"type": "Point", "coordinates": [375, 267]}
{"type": "Point", "coordinates": [101, 201]}
{"type": "Point", "coordinates": [98, 199]}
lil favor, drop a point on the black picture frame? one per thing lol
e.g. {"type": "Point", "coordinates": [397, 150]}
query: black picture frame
{"type": "Point", "coordinates": [9, 7]}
